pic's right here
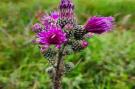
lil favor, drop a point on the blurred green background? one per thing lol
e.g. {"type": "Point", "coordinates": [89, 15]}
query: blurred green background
{"type": "Point", "coordinates": [108, 63]}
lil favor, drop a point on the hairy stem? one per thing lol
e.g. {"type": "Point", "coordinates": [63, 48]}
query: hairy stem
{"type": "Point", "coordinates": [59, 70]}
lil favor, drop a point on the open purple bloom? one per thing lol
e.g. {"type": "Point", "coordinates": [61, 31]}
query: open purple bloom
{"type": "Point", "coordinates": [54, 36]}
{"type": "Point", "coordinates": [99, 25]}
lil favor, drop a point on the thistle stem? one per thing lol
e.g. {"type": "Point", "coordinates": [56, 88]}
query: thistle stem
{"type": "Point", "coordinates": [59, 70]}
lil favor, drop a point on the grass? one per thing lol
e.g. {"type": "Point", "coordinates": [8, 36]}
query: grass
{"type": "Point", "coordinates": [108, 63]}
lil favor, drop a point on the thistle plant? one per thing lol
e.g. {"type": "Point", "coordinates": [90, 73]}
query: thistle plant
{"type": "Point", "coordinates": [58, 34]}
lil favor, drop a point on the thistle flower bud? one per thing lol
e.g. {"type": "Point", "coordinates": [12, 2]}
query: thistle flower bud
{"type": "Point", "coordinates": [79, 45]}
{"type": "Point", "coordinates": [50, 53]}
{"type": "Point", "coordinates": [68, 67]}
{"type": "Point", "coordinates": [84, 44]}
{"type": "Point", "coordinates": [36, 28]}
{"type": "Point", "coordinates": [50, 71]}
{"type": "Point", "coordinates": [66, 9]}
{"type": "Point", "coordinates": [62, 22]}
{"type": "Point", "coordinates": [99, 25]}
{"type": "Point", "coordinates": [79, 32]}
{"type": "Point", "coordinates": [69, 33]}
{"type": "Point", "coordinates": [66, 22]}
{"type": "Point", "coordinates": [76, 46]}
{"type": "Point", "coordinates": [68, 50]}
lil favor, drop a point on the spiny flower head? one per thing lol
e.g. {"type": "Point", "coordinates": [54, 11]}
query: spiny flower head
{"type": "Point", "coordinates": [54, 36]}
{"type": "Point", "coordinates": [48, 32]}
{"type": "Point", "coordinates": [99, 25]}
{"type": "Point", "coordinates": [66, 12]}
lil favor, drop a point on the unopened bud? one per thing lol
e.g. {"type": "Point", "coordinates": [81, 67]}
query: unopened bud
{"type": "Point", "coordinates": [50, 71]}
{"type": "Point", "coordinates": [69, 66]}
{"type": "Point", "coordinates": [79, 32]}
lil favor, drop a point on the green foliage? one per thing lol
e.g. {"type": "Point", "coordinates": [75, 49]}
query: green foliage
{"type": "Point", "coordinates": [108, 63]}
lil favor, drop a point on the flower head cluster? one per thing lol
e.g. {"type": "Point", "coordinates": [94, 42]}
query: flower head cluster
{"type": "Point", "coordinates": [61, 29]}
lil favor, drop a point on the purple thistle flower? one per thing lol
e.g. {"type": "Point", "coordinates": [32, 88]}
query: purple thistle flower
{"type": "Point", "coordinates": [99, 25]}
{"type": "Point", "coordinates": [54, 36]}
